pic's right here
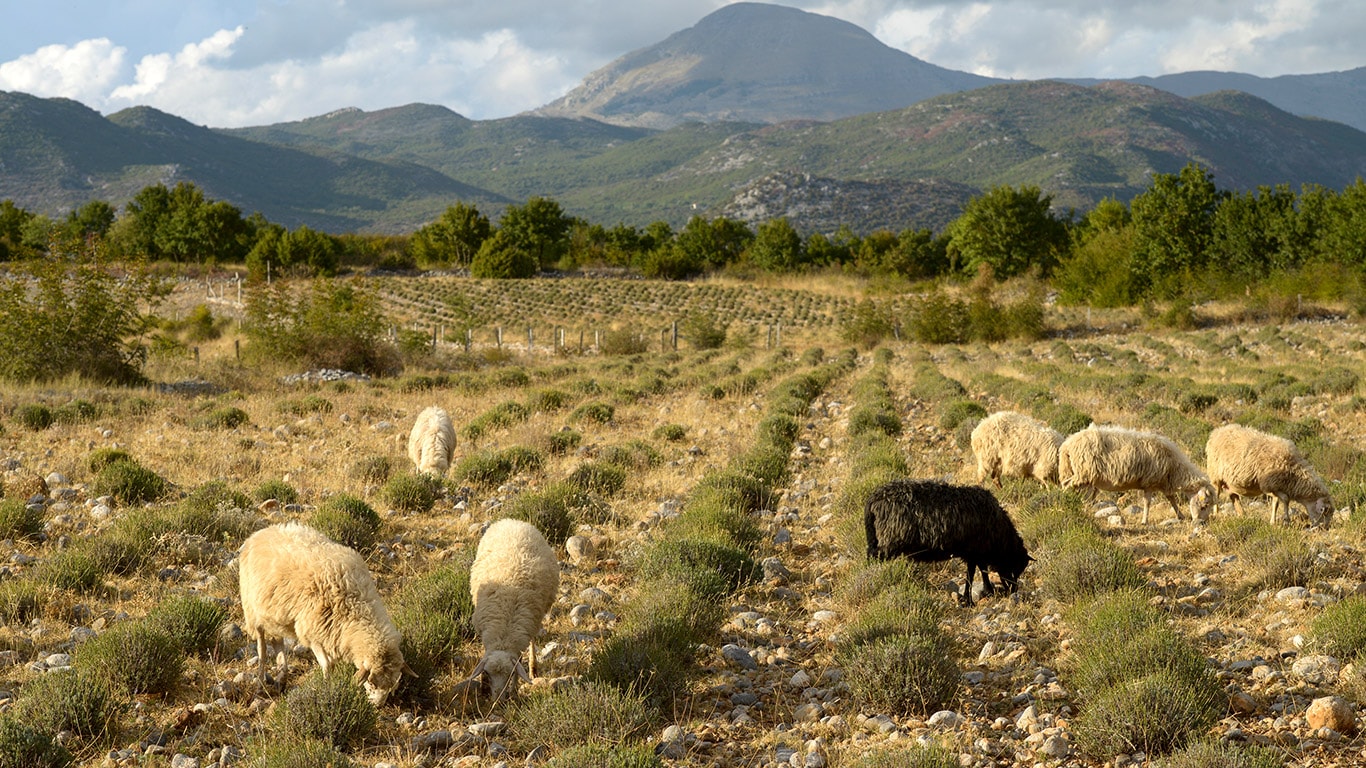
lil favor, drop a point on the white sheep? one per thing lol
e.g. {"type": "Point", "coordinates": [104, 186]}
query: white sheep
{"type": "Point", "coordinates": [513, 581]}
{"type": "Point", "coordinates": [297, 583]}
{"type": "Point", "coordinates": [431, 443]}
{"type": "Point", "coordinates": [1248, 462]}
{"type": "Point", "coordinates": [1015, 445]}
{"type": "Point", "coordinates": [1117, 459]}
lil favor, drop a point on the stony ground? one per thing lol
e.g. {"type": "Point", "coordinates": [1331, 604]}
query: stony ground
{"type": "Point", "coordinates": [771, 692]}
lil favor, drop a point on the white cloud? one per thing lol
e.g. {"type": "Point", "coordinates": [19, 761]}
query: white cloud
{"type": "Point", "coordinates": [84, 71]}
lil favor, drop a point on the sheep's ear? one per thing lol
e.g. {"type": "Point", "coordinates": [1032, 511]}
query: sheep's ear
{"type": "Point", "coordinates": [521, 672]}
{"type": "Point", "coordinates": [361, 676]}
{"type": "Point", "coordinates": [478, 669]}
{"type": "Point", "coordinates": [407, 670]}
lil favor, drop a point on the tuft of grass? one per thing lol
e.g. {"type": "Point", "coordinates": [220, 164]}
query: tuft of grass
{"type": "Point", "coordinates": [712, 570]}
{"type": "Point", "coordinates": [1340, 630]}
{"type": "Point", "coordinates": [71, 700]}
{"type": "Point", "coordinates": [1085, 564]}
{"type": "Point", "coordinates": [276, 489]}
{"type": "Point", "coordinates": [901, 674]}
{"type": "Point", "coordinates": [670, 432]}
{"type": "Point", "coordinates": [585, 714]}
{"type": "Point", "coordinates": [136, 657]}
{"type": "Point", "coordinates": [292, 751]}
{"type": "Point", "coordinates": [930, 756]}
{"type": "Point", "coordinates": [34, 416]}
{"type": "Point", "coordinates": [73, 570]}
{"type": "Point", "coordinates": [372, 470]}
{"type": "Point", "coordinates": [129, 483]}
{"type": "Point", "coordinates": [1219, 754]}
{"type": "Point", "coordinates": [636, 454]}
{"type": "Point", "coordinates": [327, 707]}
{"type": "Point", "coordinates": [563, 441]}
{"type": "Point", "coordinates": [1156, 714]}
{"type": "Point", "coordinates": [18, 520]}
{"type": "Point", "coordinates": [597, 412]}
{"type": "Point", "coordinates": [20, 600]}
{"type": "Point", "coordinates": [192, 621]}
{"type": "Point", "coordinates": [348, 520]}
{"type": "Point", "coordinates": [23, 746]}
{"type": "Point", "coordinates": [598, 477]}
{"type": "Point", "coordinates": [227, 417]}
{"type": "Point", "coordinates": [103, 457]}
{"type": "Point", "coordinates": [411, 492]}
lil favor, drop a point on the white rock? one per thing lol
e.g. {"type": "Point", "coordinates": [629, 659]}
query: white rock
{"type": "Point", "coordinates": [945, 718]}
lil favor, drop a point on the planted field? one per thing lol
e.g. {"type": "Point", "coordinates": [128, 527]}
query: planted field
{"type": "Point", "coordinates": [715, 605]}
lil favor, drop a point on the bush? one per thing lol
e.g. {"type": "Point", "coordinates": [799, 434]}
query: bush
{"type": "Point", "coordinates": [583, 714]}
{"type": "Point", "coordinates": [625, 341]}
{"type": "Point", "coordinates": [71, 701]}
{"type": "Point", "coordinates": [135, 656]}
{"type": "Point", "coordinates": [959, 411]}
{"type": "Point", "coordinates": [411, 492]}
{"type": "Point", "coordinates": [940, 319]}
{"type": "Point", "coordinates": [372, 470]}
{"type": "Point", "coordinates": [600, 413]}
{"type": "Point", "coordinates": [868, 324]}
{"type": "Point", "coordinates": [1340, 630]}
{"type": "Point", "coordinates": [563, 441]}
{"type": "Point", "coordinates": [291, 751]}
{"type": "Point", "coordinates": [598, 756]}
{"type": "Point", "coordinates": [1155, 715]}
{"type": "Point", "coordinates": [216, 512]}
{"type": "Point", "coordinates": [276, 489]}
{"type": "Point", "coordinates": [327, 707]}
{"type": "Point", "coordinates": [227, 417]}
{"type": "Point", "coordinates": [18, 520]}
{"type": "Point", "coordinates": [1218, 754]}
{"type": "Point", "coordinates": [703, 330]}
{"type": "Point", "coordinates": [550, 511]}
{"type": "Point", "coordinates": [598, 477]}
{"type": "Point", "coordinates": [930, 756]}
{"type": "Point", "coordinates": [129, 483]}
{"type": "Point", "coordinates": [674, 613]}
{"type": "Point", "coordinates": [338, 325]}
{"type": "Point", "coordinates": [20, 600]}
{"type": "Point", "coordinates": [34, 416]}
{"type": "Point", "coordinates": [711, 570]}
{"type": "Point", "coordinates": [103, 457]}
{"type": "Point", "coordinates": [70, 569]}
{"type": "Point", "coordinates": [192, 621]}
{"type": "Point", "coordinates": [635, 454]}
{"type": "Point", "coordinates": [904, 674]}
{"type": "Point", "coordinates": [21, 746]}
{"type": "Point", "coordinates": [348, 520]}
{"type": "Point", "coordinates": [1083, 564]}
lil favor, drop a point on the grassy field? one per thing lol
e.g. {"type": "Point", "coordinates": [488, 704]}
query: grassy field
{"type": "Point", "coordinates": [748, 465]}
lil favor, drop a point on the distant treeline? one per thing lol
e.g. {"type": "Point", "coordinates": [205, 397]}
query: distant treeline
{"type": "Point", "coordinates": [1183, 238]}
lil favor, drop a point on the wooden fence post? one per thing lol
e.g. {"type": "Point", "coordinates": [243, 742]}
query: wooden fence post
{"type": "Point", "coordinates": [500, 336]}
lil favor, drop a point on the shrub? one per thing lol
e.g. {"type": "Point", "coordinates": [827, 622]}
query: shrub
{"type": "Point", "coordinates": [34, 416]}
{"type": "Point", "coordinates": [70, 569]}
{"type": "Point", "coordinates": [549, 510]}
{"type": "Point", "coordinates": [868, 324]}
{"type": "Point", "coordinates": [22, 746]}
{"type": "Point", "coordinates": [71, 701]}
{"type": "Point", "coordinates": [372, 470]}
{"type": "Point", "coordinates": [902, 674]}
{"type": "Point", "coordinates": [327, 707]}
{"type": "Point", "coordinates": [227, 417]}
{"type": "Point", "coordinates": [18, 520]}
{"type": "Point", "coordinates": [216, 512]}
{"type": "Point", "coordinates": [134, 656]}
{"type": "Point", "coordinates": [276, 489]}
{"type": "Point", "coordinates": [675, 613]}
{"type": "Point", "coordinates": [635, 454]}
{"type": "Point", "coordinates": [903, 609]}
{"type": "Point", "coordinates": [1218, 754]}
{"type": "Point", "coordinates": [563, 441]}
{"type": "Point", "coordinates": [411, 492]}
{"type": "Point", "coordinates": [864, 419]}
{"type": "Point", "coordinates": [1083, 564]}
{"type": "Point", "coordinates": [598, 412]}
{"type": "Point", "coordinates": [959, 411]}
{"type": "Point", "coordinates": [599, 756]}
{"type": "Point", "coordinates": [485, 468]}
{"type": "Point", "coordinates": [698, 564]}
{"type": "Point", "coordinates": [291, 751]}
{"type": "Point", "coordinates": [1340, 630]}
{"type": "Point", "coordinates": [337, 325]}
{"type": "Point", "coordinates": [625, 341]}
{"type": "Point", "coordinates": [940, 319]}
{"type": "Point", "coordinates": [75, 412]}
{"type": "Point", "coordinates": [20, 600]}
{"type": "Point", "coordinates": [129, 483]}
{"type": "Point", "coordinates": [348, 520]}
{"type": "Point", "coordinates": [192, 621]}
{"type": "Point", "coordinates": [598, 477]}
{"type": "Point", "coordinates": [1100, 665]}
{"type": "Point", "coordinates": [306, 405]}
{"type": "Point", "coordinates": [703, 330]}
{"type": "Point", "coordinates": [583, 714]}
{"type": "Point", "coordinates": [103, 457]}
{"type": "Point", "coordinates": [930, 756]}
{"type": "Point", "coordinates": [1155, 715]}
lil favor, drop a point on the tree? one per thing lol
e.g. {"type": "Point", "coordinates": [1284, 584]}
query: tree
{"type": "Point", "coordinates": [1174, 225]}
{"type": "Point", "coordinates": [777, 247]}
{"type": "Point", "coordinates": [453, 238]}
{"type": "Point", "coordinates": [1011, 230]}
{"type": "Point", "coordinates": [12, 221]}
{"type": "Point", "coordinates": [338, 325]}
{"type": "Point", "coordinates": [92, 219]}
{"type": "Point", "coordinates": [1255, 232]}
{"type": "Point", "coordinates": [310, 252]}
{"type": "Point", "coordinates": [714, 243]}
{"type": "Point", "coordinates": [539, 228]}
{"type": "Point", "coordinates": [1344, 238]}
{"type": "Point", "coordinates": [503, 257]}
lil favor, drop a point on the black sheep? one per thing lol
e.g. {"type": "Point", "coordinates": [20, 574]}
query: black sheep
{"type": "Point", "coordinates": [929, 521]}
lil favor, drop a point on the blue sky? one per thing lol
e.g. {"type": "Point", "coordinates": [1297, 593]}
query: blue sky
{"type": "Point", "coordinates": [228, 63]}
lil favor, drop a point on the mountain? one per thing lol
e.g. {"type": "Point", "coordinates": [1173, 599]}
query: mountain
{"type": "Point", "coordinates": [1337, 96]}
{"type": "Point", "coordinates": [760, 63]}
{"type": "Point", "coordinates": [56, 155]}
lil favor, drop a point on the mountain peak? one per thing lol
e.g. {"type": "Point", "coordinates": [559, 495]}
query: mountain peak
{"type": "Point", "coordinates": [759, 63]}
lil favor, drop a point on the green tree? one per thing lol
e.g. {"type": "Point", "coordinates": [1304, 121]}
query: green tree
{"type": "Point", "coordinates": [1011, 230]}
{"type": "Point", "coordinates": [1255, 232]}
{"type": "Point", "coordinates": [310, 252]}
{"type": "Point", "coordinates": [539, 228]}
{"type": "Point", "coordinates": [919, 254]}
{"type": "Point", "coordinates": [337, 325]}
{"type": "Point", "coordinates": [12, 221]}
{"type": "Point", "coordinates": [1343, 239]}
{"type": "Point", "coordinates": [92, 219]}
{"type": "Point", "coordinates": [1174, 226]}
{"type": "Point", "coordinates": [69, 314]}
{"type": "Point", "coordinates": [453, 239]}
{"type": "Point", "coordinates": [502, 256]}
{"type": "Point", "coordinates": [714, 243]}
{"type": "Point", "coordinates": [777, 247]}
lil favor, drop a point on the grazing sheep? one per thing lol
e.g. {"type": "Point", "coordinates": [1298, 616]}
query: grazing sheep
{"type": "Point", "coordinates": [928, 521]}
{"type": "Point", "coordinates": [432, 441]}
{"type": "Point", "coordinates": [1118, 459]}
{"type": "Point", "coordinates": [513, 581]}
{"type": "Point", "coordinates": [297, 583]}
{"type": "Point", "coordinates": [1015, 445]}
{"type": "Point", "coordinates": [1248, 462]}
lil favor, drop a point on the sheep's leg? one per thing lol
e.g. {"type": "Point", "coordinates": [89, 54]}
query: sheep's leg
{"type": "Point", "coordinates": [1237, 503]}
{"type": "Point", "coordinates": [531, 658]}
{"type": "Point", "coordinates": [261, 657]}
{"type": "Point", "coordinates": [966, 597]}
{"type": "Point", "coordinates": [1176, 506]}
{"type": "Point", "coordinates": [1146, 505]}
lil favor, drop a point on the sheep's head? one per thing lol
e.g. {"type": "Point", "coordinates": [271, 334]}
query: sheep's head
{"type": "Point", "coordinates": [501, 672]}
{"type": "Point", "coordinates": [1202, 503]}
{"type": "Point", "coordinates": [1321, 511]}
{"type": "Point", "coordinates": [1010, 569]}
{"type": "Point", "coordinates": [380, 676]}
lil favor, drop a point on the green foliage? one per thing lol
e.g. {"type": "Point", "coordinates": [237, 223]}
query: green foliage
{"type": "Point", "coordinates": [623, 341]}
{"type": "Point", "coordinates": [599, 756]}
{"type": "Point", "coordinates": [411, 492]}
{"type": "Point", "coordinates": [1173, 224]}
{"type": "Point", "coordinates": [1082, 564]}
{"type": "Point", "coordinates": [671, 432]}
{"type": "Point", "coordinates": [372, 470]}
{"type": "Point", "coordinates": [103, 457]}
{"type": "Point", "coordinates": [18, 521]}
{"type": "Point", "coordinates": [135, 656]}
{"type": "Point", "coordinates": [71, 701]}
{"type": "Point", "coordinates": [276, 489]}
{"type": "Point", "coordinates": [703, 330]}
{"type": "Point", "coordinates": [868, 324]}
{"type": "Point", "coordinates": [22, 746]}
{"type": "Point", "coordinates": [1010, 230]}
{"type": "Point", "coordinates": [348, 520]}
{"type": "Point", "coordinates": [1220, 754]}
{"type": "Point", "coordinates": [70, 314]}
{"type": "Point", "coordinates": [1156, 714]}
{"type": "Point", "coordinates": [291, 751]}
{"type": "Point", "coordinates": [563, 441]}
{"type": "Point", "coordinates": [1340, 630]}
{"type": "Point", "coordinates": [453, 239]}
{"type": "Point", "coordinates": [586, 714]}
{"type": "Point", "coordinates": [225, 417]}
{"type": "Point", "coordinates": [336, 325]}
{"type": "Point", "coordinates": [711, 570]}
{"type": "Point", "coordinates": [75, 412]}
{"type": "Point", "coordinates": [552, 511]}
{"type": "Point", "coordinates": [34, 416]}
{"type": "Point", "coordinates": [193, 622]}
{"type": "Point", "coordinates": [434, 614]}
{"type": "Point", "coordinates": [901, 674]}
{"type": "Point", "coordinates": [960, 411]}
{"type": "Point", "coordinates": [70, 569]}
{"type": "Point", "coordinates": [598, 477]}
{"type": "Point", "coordinates": [20, 600]}
{"type": "Point", "coordinates": [501, 257]}
{"type": "Point", "coordinates": [937, 318]}
{"type": "Point", "coordinates": [327, 707]}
